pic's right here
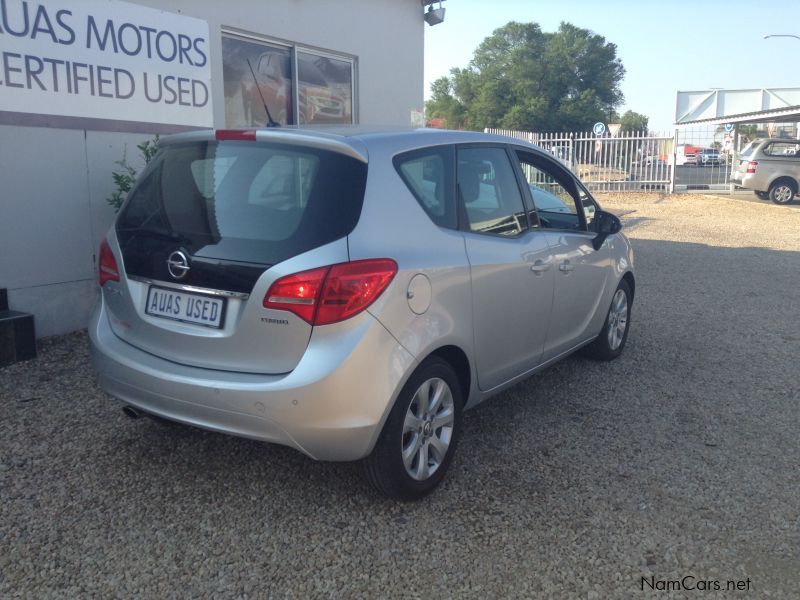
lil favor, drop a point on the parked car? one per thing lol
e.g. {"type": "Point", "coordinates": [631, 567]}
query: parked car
{"type": "Point", "coordinates": [771, 168]}
{"type": "Point", "coordinates": [351, 295]}
{"type": "Point", "coordinates": [707, 156]}
{"type": "Point", "coordinates": [650, 162]}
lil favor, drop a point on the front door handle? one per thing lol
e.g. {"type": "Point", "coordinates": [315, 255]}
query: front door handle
{"type": "Point", "coordinates": [565, 267]}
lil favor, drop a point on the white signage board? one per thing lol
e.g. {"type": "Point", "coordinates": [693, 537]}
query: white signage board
{"type": "Point", "coordinates": [104, 59]}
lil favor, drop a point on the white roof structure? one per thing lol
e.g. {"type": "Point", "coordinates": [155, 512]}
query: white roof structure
{"type": "Point", "coordinates": [718, 106]}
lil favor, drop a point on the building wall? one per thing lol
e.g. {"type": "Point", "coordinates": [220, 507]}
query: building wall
{"type": "Point", "coordinates": [55, 181]}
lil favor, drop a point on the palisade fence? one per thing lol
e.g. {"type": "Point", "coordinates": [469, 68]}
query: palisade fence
{"type": "Point", "coordinates": [685, 160]}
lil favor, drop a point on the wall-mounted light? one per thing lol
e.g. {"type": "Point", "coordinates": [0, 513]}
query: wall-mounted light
{"type": "Point", "coordinates": [433, 16]}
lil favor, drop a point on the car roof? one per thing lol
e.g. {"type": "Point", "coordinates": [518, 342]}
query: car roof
{"type": "Point", "coordinates": [355, 140]}
{"type": "Point", "coordinates": [779, 139]}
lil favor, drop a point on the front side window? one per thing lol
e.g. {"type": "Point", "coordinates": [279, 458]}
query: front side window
{"type": "Point", "coordinates": [553, 193]}
{"type": "Point", "coordinates": [489, 192]}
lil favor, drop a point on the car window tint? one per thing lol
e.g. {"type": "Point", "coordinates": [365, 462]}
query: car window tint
{"type": "Point", "coordinates": [489, 192]}
{"type": "Point", "coordinates": [428, 175]}
{"type": "Point", "coordinates": [556, 206]}
{"type": "Point", "coordinates": [251, 202]}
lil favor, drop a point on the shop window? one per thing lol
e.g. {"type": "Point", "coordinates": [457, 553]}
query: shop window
{"type": "Point", "coordinates": [299, 86]}
{"type": "Point", "coordinates": [271, 75]}
{"type": "Point", "coordinates": [325, 87]}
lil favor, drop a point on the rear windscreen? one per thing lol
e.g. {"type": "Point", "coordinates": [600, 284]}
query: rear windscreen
{"type": "Point", "coordinates": [244, 201]}
{"type": "Point", "coordinates": [747, 150]}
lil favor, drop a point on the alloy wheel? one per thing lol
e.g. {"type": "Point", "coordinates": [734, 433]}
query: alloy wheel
{"type": "Point", "coordinates": [617, 319]}
{"type": "Point", "coordinates": [428, 428]}
{"type": "Point", "coordinates": [782, 193]}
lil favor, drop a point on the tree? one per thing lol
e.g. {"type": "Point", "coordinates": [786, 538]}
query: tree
{"type": "Point", "coordinates": [523, 78]}
{"type": "Point", "coordinates": [443, 105]}
{"type": "Point", "coordinates": [632, 121]}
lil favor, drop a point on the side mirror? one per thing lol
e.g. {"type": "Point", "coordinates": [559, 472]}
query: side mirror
{"type": "Point", "coordinates": [604, 224]}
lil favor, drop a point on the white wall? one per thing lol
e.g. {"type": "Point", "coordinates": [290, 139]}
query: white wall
{"type": "Point", "coordinates": [54, 182]}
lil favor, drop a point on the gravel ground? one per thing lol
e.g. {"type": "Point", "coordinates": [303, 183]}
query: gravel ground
{"type": "Point", "coordinates": [680, 458]}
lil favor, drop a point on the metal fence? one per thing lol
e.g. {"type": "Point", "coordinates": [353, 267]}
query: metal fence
{"type": "Point", "coordinates": [685, 160]}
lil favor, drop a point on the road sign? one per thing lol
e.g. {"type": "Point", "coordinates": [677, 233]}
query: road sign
{"type": "Point", "coordinates": [613, 128]}
{"type": "Point", "coordinates": [728, 127]}
{"type": "Point", "coordinates": [599, 128]}
{"type": "Point", "coordinates": [598, 146]}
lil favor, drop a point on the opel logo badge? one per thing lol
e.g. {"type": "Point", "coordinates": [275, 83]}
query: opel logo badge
{"type": "Point", "coordinates": [178, 264]}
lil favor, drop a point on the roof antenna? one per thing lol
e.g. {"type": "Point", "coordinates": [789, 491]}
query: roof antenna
{"type": "Point", "coordinates": [270, 121]}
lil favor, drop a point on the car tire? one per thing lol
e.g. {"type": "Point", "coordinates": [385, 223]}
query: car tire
{"type": "Point", "coordinates": [782, 191]}
{"type": "Point", "coordinates": [762, 195]}
{"type": "Point", "coordinates": [395, 468]}
{"type": "Point", "coordinates": [611, 341]}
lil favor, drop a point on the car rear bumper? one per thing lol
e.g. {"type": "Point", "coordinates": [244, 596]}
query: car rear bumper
{"type": "Point", "coordinates": [748, 181]}
{"type": "Point", "coordinates": [331, 406]}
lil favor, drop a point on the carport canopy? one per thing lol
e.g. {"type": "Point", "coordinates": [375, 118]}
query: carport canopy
{"type": "Point", "coordinates": [789, 114]}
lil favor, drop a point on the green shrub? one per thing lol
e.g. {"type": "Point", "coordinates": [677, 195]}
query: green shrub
{"type": "Point", "coordinates": [126, 177]}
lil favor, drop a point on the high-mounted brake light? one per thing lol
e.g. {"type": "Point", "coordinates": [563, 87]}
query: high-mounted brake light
{"type": "Point", "coordinates": [751, 166]}
{"type": "Point", "coordinates": [107, 269]}
{"type": "Point", "coordinates": [236, 134]}
{"type": "Point", "coordinates": [332, 294]}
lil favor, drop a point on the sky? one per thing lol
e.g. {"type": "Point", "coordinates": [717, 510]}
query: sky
{"type": "Point", "coordinates": [664, 46]}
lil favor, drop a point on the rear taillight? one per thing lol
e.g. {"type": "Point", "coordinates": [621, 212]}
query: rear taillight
{"type": "Point", "coordinates": [298, 293]}
{"type": "Point", "coordinates": [107, 269]}
{"type": "Point", "coordinates": [331, 294]}
{"type": "Point", "coordinates": [751, 166]}
{"type": "Point", "coordinates": [236, 134]}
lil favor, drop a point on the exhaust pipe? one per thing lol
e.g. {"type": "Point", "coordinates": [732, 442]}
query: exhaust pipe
{"type": "Point", "coordinates": [131, 412]}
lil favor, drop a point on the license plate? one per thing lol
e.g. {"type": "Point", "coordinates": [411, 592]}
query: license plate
{"type": "Point", "coordinates": [183, 306]}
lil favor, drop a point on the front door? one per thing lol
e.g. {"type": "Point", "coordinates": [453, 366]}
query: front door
{"type": "Point", "coordinates": [565, 210]}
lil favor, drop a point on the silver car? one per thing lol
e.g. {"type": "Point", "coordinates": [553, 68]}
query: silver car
{"type": "Point", "coordinates": [350, 295]}
{"type": "Point", "coordinates": [771, 168]}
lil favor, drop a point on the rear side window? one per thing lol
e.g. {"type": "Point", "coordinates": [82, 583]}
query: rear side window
{"type": "Point", "coordinates": [245, 201]}
{"type": "Point", "coordinates": [781, 149]}
{"type": "Point", "coordinates": [489, 191]}
{"type": "Point", "coordinates": [428, 174]}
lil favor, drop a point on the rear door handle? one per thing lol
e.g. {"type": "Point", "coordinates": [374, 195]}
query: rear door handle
{"type": "Point", "coordinates": [565, 267]}
{"type": "Point", "coordinates": [540, 266]}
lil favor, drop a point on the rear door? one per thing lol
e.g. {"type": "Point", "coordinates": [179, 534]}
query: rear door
{"type": "Point", "coordinates": [581, 272]}
{"type": "Point", "coordinates": [510, 264]}
{"type": "Point", "coordinates": [208, 228]}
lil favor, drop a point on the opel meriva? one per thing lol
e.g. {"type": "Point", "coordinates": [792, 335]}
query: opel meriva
{"type": "Point", "coordinates": [351, 295]}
